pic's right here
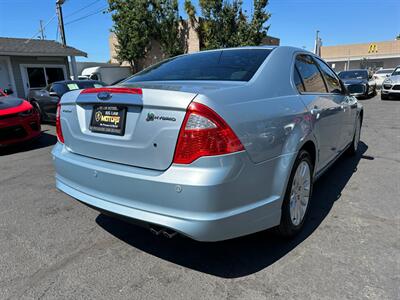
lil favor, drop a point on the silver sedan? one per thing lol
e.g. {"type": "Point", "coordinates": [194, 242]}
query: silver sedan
{"type": "Point", "coordinates": [212, 145]}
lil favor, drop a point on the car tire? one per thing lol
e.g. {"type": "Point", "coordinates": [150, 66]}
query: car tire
{"type": "Point", "coordinates": [352, 150]}
{"type": "Point", "coordinates": [384, 97]}
{"type": "Point", "coordinates": [297, 196]}
{"type": "Point", "coordinates": [37, 107]}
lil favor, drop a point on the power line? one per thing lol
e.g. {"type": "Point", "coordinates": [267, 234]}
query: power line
{"type": "Point", "coordinates": [81, 9]}
{"type": "Point", "coordinates": [88, 15]}
{"type": "Point", "coordinates": [44, 26]}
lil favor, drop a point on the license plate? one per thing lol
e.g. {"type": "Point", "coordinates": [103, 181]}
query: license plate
{"type": "Point", "coordinates": [108, 119]}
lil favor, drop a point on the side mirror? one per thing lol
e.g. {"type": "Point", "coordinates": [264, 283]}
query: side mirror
{"type": "Point", "coordinates": [54, 94]}
{"type": "Point", "coordinates": [8, 91]}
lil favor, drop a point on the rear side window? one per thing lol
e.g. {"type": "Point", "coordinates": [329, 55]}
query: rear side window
{"type": "Point", "coordinates": [332, 81]}
{"type": "Point", "coordinates": [309, 72]}
{"type": "Point", "coordinates": [230, 65]}
{"type": "Point", "coordinates": [298, 81]}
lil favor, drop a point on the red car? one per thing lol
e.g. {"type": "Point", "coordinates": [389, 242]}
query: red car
{"type": "Point", "coordinates": [19, 121]}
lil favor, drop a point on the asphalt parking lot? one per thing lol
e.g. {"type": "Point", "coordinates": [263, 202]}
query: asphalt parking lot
{"type": "Point", "coordinates": [53, 247]}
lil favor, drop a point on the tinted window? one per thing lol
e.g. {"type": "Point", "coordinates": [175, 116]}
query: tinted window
{"type": "Point", "coordinates": [36, 77]}
{"type": "Point", "coordinates": [59, 88]}
{"type": "Point", "coordinates": [359, 74]}
{"type": "Point", "coordinates": [90, 84]}
{"type": "Point", "coordinates": [396, 72]}
{"type": "Point", "coordinates": [331, 79]}
{"type": "Point", "coordinates": [231, 65]}
{"type": "Point", "coordinates": [54, 74]}
{"type": "Point", "coordinates": [298, 81]}
{"type": "Point", "coordinates": [310, 74]}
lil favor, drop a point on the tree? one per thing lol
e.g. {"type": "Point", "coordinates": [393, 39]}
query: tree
{"type": "Point", "coordinates": [167, 26]}
{"type": "Point", "coordinates": [398, 37]}
{"type": "Point", "coordinates": [133, 28]}
{"type": "Point", "coordinates": [138, 22]}
{"type": "Point", "coordinates": [224, 24]}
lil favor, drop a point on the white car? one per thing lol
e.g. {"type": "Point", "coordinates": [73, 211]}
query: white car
{"type": "Point", "coordinates": [381, 75]}
{"type": "Point", "coordinates": [391, 85]}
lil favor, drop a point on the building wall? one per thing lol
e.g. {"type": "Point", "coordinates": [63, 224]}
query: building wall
{"type": "Point", "coordinates": [373, 64]}
{"type": "Point", "coordinates": [370, 50]}
{"type": "Point", "coordinates": [16, 61]}
{"type": "Point", "coordinates": [373, 55]}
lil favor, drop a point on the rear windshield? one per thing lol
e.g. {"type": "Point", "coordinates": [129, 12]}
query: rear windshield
{"type": "Point", "coordinates": [353, 75]}
{"type": "Point", "coordinates": [229, 65]}
{"type": "Point", "coordinates": [384, 71]}
{"type": "Point", "coordinates": [396, 72]}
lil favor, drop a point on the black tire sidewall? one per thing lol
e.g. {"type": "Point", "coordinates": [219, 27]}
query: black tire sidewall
{"type": "Point", "coordinates": [352, 150]}
{"type": "Point", "coordinates": [286, 227]}
{"type": "Point", "coordinates": [36, 105]}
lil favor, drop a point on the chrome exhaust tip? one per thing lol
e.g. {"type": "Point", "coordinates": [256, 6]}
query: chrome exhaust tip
{"type": "Point", "coordinates": [163, 231]}
{"type": "Point", "coordinates": [169, 233]}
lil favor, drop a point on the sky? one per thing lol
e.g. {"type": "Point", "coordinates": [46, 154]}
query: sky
{"type": "Point", "coordinates": [293, 21]}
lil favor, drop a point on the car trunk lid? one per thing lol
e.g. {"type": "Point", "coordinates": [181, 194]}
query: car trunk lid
{"type": "Point", "coordinates": [132, 126]}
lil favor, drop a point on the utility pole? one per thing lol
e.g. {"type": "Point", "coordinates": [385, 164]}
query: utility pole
{"type": "Point", "coordinates": [61, 21]}
{"type": "Point", "coordinates": [43, 36]}
{"type": "Point", "coordinates": [317, 47]}
{"type": "Point", "coordinates": [74, 73]}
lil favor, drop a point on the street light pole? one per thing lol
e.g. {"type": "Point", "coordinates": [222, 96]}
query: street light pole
{"type": "Point", "coordinates": [61, 21]}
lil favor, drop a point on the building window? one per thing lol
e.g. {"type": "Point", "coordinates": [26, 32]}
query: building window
{"type": "Point", "coordinates": [36, 77]}
{"type": "Point", "coordinates": [54, 74]}
{"type": "Point", "coordinates": [40, 77]}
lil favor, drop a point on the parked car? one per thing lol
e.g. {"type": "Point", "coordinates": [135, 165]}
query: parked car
{"type": "Point", "coordinates": [391, 85]}
{"type": "Point", "coordinates": [381, 75]}
{"type": "Point", "coordinates": [19, 121]}
{"type": "Point", "coordinates": [212, 145]}
{"type": "Point", "coordinates": [107, 74]}
{"type": "Point", "coordinates": [359, 83]}
{"type": "Point", "coordinates": [46, 100]}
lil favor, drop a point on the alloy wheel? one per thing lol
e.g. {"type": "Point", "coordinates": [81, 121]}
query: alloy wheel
{"type": "Point", "coordinates": [300, 193]}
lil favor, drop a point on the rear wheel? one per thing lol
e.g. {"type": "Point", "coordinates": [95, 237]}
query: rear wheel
{"type": "Point", "coordinates": [356, 139]}
{"type": "Point", "coordinates": [37, 107]}
{"type": "Point", "coordinates": [297, 197]}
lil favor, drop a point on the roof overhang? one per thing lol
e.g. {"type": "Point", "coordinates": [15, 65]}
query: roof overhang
{"type": "Point", "coordinates": [43, 54]}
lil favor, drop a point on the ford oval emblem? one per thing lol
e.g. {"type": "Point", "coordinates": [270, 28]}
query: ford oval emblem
{"type": "Point", "coordinates": [104, 96]}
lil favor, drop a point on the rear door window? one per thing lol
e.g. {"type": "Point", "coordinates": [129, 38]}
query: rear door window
{"type": "Point", "coordinates": [309, 72]}
{"type": "Point", "coordinates": [332, 81]}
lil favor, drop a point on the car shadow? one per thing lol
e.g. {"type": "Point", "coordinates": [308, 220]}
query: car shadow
{"type": "Point", "coordinates": [44, 140]}
{"type": "Point", "coordinates": [245, 255]}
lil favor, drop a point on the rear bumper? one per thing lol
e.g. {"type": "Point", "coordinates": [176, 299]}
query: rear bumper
{"type": "Point", "coordinates": [217, 198]}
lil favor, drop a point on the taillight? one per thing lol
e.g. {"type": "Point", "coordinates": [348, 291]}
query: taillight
{"type": "Point", "coordinates": [204, 133]}
{"type": "Point", "coordinates": [60, 136]}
